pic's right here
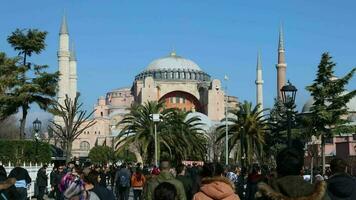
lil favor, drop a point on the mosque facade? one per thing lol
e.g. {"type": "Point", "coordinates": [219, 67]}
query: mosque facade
{"type": "Point", "coordinates": [178, 82]}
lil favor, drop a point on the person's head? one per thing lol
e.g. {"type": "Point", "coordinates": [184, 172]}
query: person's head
{"type": "Point", "coordinates": [165, 191]}
{"type": "Point", "coordinates": [44, 166]}
{"type": "Point", "coordinates": [180, 169]}
{"type": "Point", "coordinates": [92, 178]}
{"type": "Point", "coordinates": [123, 165]}
{"type": "Point", "coordinates": [71, 164]}
{"type": "Point", "coordinates": [256, 169]}
{"type": "Point", "coordinates": [212, 169]}
{"type": "Point", "coordinates": [61, 169]}
{"type": "Point", "coordinates": [290, 161]}
{"type": "Point", "coordinates": [338, 165]}
{"type": "Point", "coordinates": [72, 187]}
{"type": "Point", "coordinates": [165, 165]}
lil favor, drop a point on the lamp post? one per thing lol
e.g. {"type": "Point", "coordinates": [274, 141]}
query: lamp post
{"type": "Point", "coordinates": [155, 118]}
{"type": "Point", "coordinates": [36, 127]}
{"type": "Point", "coordinates": [226, 125]}
{"type": "Point", "coordinates": [289, 92]}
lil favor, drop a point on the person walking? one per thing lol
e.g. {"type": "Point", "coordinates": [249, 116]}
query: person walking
{"type": "Point", "coordinates": [340, 184]}
{"type": "Point", "coordinates": [164, 176]}
{"type": "Point", "coordinates": [137, 182]}
{"type": "Point", "coordinates": [290, 183]}
{"type": "Point", "coordinates": [214, 185]}
{"type": "Point", "coordinates": [122, 180]}
{"type": "Point", "coordinates": [41, 181]}
{"type": "Point", "coordinates": [57, 181]}
{"type": "Point", "coordinates": [23, 179]}
{"type": "Point", "coordinates": [187, 181]}
{"type": "Point", "coordinates": [165, 191]}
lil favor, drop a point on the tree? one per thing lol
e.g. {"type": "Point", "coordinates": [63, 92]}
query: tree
{"type": "Point", "coordinates": [32, 83]}
{"type": "Point", "coordinates": [177, 135]}
{"type": "Point", "coordinates": [72, 122]}
{"type": "Point", "coordinates": [184, 138]}
{"type": "Point", "coordinates": [330, 99]}
{"type": "Point", "coordinates": [101, 154]}
{"type": "Point", "coordinates": [8, 128]}
{"type": "Point", "coordinates": [247, 127]}
{"type": "Point", "coordinates": [8, 78]}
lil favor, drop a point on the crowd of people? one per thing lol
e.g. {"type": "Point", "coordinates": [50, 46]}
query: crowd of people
{"type": "Point", "coordinates": [212, 181]}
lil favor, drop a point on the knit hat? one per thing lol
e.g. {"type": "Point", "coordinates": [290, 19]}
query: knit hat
{"type": "Point", "coordinates": [72, 186]}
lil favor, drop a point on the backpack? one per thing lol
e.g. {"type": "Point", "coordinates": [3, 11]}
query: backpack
{"type": "Point", "coordinates": [124, 181]}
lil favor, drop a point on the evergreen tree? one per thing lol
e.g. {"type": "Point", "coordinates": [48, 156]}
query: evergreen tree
{"type": "Point", "coordinates": [330, 99]}
{"type": "Point", "coordinates": [33, 84]}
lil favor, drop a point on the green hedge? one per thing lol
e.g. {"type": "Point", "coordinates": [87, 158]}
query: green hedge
{"type": "Point", "coordinates": [24, 151]}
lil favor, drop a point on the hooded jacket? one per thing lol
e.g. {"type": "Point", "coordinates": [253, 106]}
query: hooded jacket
{"type": "Point", "coordinates": [342, 186]}
{"type": "Point", "coordinates": [292, 188]}
{"type": "Point", "coordinates": [164, 176]}
{"type": "Point", "coordinates": [216, 188]}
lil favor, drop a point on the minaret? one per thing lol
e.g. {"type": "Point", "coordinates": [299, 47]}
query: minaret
{"type": "Point", "coordinates": [63, 61]}
{"type": "Point", "coordinates": [281, 66]}
{"type": "Point", "coordinates": [259, 83]}
{"type": "Point", "coordinates": [72, 73]}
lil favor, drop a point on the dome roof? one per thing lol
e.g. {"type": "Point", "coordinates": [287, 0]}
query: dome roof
{"type": "Point", "coordinates": [172, 62]}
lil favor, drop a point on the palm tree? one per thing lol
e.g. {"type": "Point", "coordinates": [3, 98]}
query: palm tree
{"type": "Point", "coordinates": [185, 134]}
{"type": "Point", "coordinates": [139, 127]}
{"type": "Point", "coordinates": [246, 129]}
{"type": "Point", "coordinates": [178, 136]}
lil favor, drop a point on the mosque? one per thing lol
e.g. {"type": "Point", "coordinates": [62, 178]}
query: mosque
{"type": "Point", "coordinates": [176, 80]}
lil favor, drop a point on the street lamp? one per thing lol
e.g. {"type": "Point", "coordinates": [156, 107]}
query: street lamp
{"type": "Point", "coordinates": [289, 92]}
{"type": "Point", "coordinates": [155, 118]}
{"type": "Point", "coordinates": [226, 125]}
{"type": "Point", "coordinates": [36, 127]}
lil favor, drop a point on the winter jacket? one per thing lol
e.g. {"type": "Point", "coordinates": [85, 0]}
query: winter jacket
{"type": "Point", "coordinates": [216, 188]}
{"type": "Point", "coordinates": [103, 193]}
{"type": "Point", "coordinates": [341, 186]}
{"type": "Point", "coordinates": [42, 177]}
{"type": "Point", "coordinates": [292, 188]}
{"type": "Point", "coordinates": [137, 184]}
{"type": "Point", "coordinates": [188, 185]}
{"type": "Point", "coordinates": [164, 176]}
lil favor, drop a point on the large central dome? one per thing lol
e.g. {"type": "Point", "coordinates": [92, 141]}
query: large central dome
{"type": "Point", "coordinates": [175, 68]}
{"type": "Point", "coordinates": [173, 62]}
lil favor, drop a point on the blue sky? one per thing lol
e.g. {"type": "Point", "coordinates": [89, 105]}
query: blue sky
{"type": "Point", "coordinates": [115, 40]}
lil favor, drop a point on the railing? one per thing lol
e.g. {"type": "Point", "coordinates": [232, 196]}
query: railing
{"type": "Point", "coordinates": [32, 171]}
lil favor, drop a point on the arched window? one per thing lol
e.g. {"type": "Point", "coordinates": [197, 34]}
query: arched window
{"type": "Point", "coordinates": [84, 146]}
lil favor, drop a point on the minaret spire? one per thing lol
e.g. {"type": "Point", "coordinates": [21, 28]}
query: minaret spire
{"type": "Point", "coordinates": [281, 65]}
{"type": "Point", "coordinates": [72, 73]}
{"type": "Point", "coordinates": [259, 83]}
{"type": "Point", "coordinates": [64, 26]}
{"type": "Point", "coordinates": [281, 39]}
{"type": "Point", "coordinates": [63, 55]}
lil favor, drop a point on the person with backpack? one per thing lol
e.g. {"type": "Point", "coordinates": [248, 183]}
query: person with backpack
{"type": "Point", "coordinates": [137, 182]}
{"type": "Point", "coordinates": [122, 181]}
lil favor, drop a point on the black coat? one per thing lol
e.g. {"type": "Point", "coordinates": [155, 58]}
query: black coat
{"type": "Point", "coordinates": [20, 174]}
{"type": "Point", "coordinates": [42, 178]}
{"type": "Point", "coordinates": [342, 186]}
{"type": "Point", "coordinates": [103, 192]}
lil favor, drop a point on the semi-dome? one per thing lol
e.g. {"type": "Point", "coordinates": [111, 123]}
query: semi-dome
{"type": "Point", "coordinates": [173, 62]}
{"type": "Point", "coordinates": [173, 67]}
